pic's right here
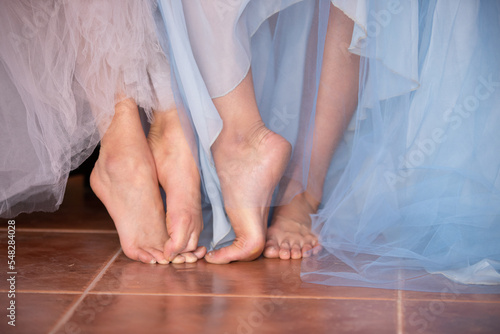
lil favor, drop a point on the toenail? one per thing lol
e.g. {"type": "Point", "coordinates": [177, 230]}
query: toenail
{"type": "Point", "coordinates": [163, 261]}
{"type": "Point", "coordinates": [152, 262]}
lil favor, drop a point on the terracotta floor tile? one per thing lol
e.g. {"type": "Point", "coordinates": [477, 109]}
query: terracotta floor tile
{"type": "Point", "coordinates": [175, 314]}
{"type": "Point", "coordinates": [442, 317]}
{"type": "Point", "coordinates": [35, 312]}
{"type": "Point", "coordinates": [80, 210]}
{"type": "Point", "coordinates": [48, 261]}
{"type": "Point", "coordinates": [258, 278]}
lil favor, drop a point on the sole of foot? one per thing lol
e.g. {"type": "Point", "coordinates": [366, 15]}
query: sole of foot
{"type": "Point", "coordinates": [249, 170]}
{"type": "Point", "coordinates": [129, 190]}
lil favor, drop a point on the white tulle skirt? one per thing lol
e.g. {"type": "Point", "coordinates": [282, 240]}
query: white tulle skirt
{"type": "Point", "coordinates": [62, 66]}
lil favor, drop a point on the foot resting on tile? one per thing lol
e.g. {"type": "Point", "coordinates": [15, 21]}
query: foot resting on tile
{"type": "Point", "coordinates": [250, 160]}
{"type": "Point", "coordinates": [179, 177]}
{"type": "Point", "coordinates": [125, 180]}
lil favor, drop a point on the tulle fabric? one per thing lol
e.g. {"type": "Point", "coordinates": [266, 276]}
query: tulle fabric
{"type": "Point", "coordinates": [63, 66]}
{"type": "Point", "coordinates": [213, 45]}
{"type": "Point", "coordinates": [412, 199]}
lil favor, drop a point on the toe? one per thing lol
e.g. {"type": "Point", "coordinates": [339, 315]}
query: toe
{"type": "Point", "coordinates": [192, 244]}
{"type": "Point", "coordinates": [317, 249]}
{"type": "Point", "coordinates": [219, 256]}
{"type": "Point", "coordinates": [159, 257]}
{"type": "Point", "coordinates": [142, 256]}
{"type": "Point", "coordinates": [306, 250]}
{"type": "Point", "coordinates": [174, 246]}
{"type": "Point", "coordinates": [271, 250]}
{"type": "Point", "coordinates": [190, 257]}
{"type": "Point", "coordinates": [284, 250]}
{"type": "Point", "coordinates": [296, 252]}
{"type": "Point", "coordinates": [179, 259]}
{"type": "Point", "coordinates": [200, 252]}
{"type": "Point", "coordinates": [183, 237]}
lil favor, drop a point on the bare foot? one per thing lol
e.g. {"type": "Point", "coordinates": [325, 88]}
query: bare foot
{"type": "Point", "coordinates": [124, 179]}
{"type": "Point", "coordinates": [249, 168]}
{"type": "Point", "coordinates": [289, 235]}
{"type": "Point", "coordinates": [178, 175]}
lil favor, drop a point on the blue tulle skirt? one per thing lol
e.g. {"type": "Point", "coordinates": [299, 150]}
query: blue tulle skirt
{"type": "Point", "coordinates": [412, 197]}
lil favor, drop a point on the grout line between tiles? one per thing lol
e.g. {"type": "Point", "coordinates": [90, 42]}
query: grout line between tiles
{"type": "Point", "coordinates": [453, 300]}
{"type": "Point", "coordinates": [230, 295]}
{"type": "Point", "coordinates": [69, 292]}
{"type": "Point", "coordinates": [49, 292]}
{"type": "Point", "coordinates": [399, 303]}
{"type": "Point", "coordinates": [75, 305]}
{"type": "Point", "coordinates": [63, 230]}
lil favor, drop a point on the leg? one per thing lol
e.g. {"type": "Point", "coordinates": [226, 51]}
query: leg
{"type": "Point", "coordinates": [290, 235]}
{"type": "Point", "coordinates": [250, 160]}
{"type": "Point", "coordinates": [124, 178]}
{"type": "Point", "coordinates": [178, 175]}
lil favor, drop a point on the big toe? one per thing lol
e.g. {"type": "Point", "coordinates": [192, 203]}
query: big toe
{"type": "Point", "coordinates": [235, 252]}
{"type": "Point", "coordinates": [271, 250]}
{"type": "Point", "coordinates": [139, 255]}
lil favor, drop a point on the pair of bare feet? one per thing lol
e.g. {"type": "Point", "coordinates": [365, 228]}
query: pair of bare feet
{"type": "Point", "coordinates": [250, 161]}
{"type": "Point", "coordinates": [131, 166]}
{"type": "Point", "coordinates": [126, 178]}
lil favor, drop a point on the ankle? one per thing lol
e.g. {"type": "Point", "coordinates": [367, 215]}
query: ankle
{"type": "Point", "coordinates": [312, 200]}
{"type": "Point", "coordinates": [242, 136]}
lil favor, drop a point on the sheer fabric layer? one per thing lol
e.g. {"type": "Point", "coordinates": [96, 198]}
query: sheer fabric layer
{"type": "Point", "coordinates": [413, 197]}
{"type": "Point", "coordinates": [63, 66]}
{"type": "Point", "coordinates": [213, 45]}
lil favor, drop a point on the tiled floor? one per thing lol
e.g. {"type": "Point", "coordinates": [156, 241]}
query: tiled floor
{"type": "Point", "coordinates": [73, 278]}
